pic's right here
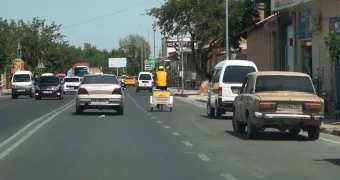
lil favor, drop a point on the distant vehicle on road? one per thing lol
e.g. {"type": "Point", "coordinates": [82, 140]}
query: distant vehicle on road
{"type": "Point", "coordinates": [276, 99]}
{"type": "Point", "coordinates": [47, 74]}
{"type": "Point", "coordinates": [61, 76]}
{"type": "Point", "coordinates": [130, 81]}
{"type": "Point", "coordinates": [100, 92]}
{"type": "Point", "coordinates": [81, 69]}
{"type": "Point", "coordinates": [71, 83]}
{"type": "Point", "coordinates": [225, 83]}
{"type": "Point", "coordinates": [23, 84]}
{"type": "Point", "coordinates": [145, 82]}
{"type": "Point", "coordinates": [49, 87]}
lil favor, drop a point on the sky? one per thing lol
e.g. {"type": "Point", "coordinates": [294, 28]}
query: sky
{"type": "Point", "coordinates": [103, 32]}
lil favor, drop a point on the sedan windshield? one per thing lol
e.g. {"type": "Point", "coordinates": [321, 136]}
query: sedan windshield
{"type": "Point", "coordinates": [284, 83]}
{"type": "Point", "coordinates": [21, 78]}
{"type": "Point", "coordinates": [49, 80]}
{"type": "Point", "coordinates": [71, 80]}
{"type": "Point", "coordinates": [145, 77]}
{"type": "Point", "coordinates": [100, 80]}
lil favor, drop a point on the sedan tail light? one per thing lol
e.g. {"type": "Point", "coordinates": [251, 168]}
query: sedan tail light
{"type": "Point", "coordinates": [220, 91]}
{"type": "Point", "coordinates": [117, 91]}
{"type": "Point", "coordinates": [313, 106]}
{"type": "Point", "coordinates": [267, 106]}
{"type": "Point", "coordinates": [82, 91]}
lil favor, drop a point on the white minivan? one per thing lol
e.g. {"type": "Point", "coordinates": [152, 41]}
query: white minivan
{"type": "Point", "coordinates": [225, 83]}
{"type": "Point", "coordinates": [145, 82]}
{"type": "Point", "coordinates": [23, 84]}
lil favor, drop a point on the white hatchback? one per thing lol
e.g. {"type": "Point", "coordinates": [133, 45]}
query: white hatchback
{"type": "Point", "coordinates": [145, 82]}
{"type": "Point", "coordinates": [71, 84]}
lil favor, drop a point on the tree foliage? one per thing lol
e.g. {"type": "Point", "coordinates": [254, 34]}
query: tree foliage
{"type": "Point", "coordinates": [42, 42]}
{"type": "Point", "coordinates": [204, 22]}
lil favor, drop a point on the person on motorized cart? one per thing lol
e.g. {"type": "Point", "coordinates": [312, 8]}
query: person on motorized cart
{"type": "Point", "coordinates": [161, 78]}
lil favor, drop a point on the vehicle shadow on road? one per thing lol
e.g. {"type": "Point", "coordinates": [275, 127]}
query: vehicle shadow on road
{"type": "Point", "coordinates": [270, 136]}
{"type": "Point", "coordinates": [212, 118]}
{"type": "Point", "coordinates": [333, 161]}
{"type": "Point", "coordinates": [96, 114]}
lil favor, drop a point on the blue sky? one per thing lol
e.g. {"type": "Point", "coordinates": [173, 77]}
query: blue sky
{"type": "Point", "coordinates": [104, 32]}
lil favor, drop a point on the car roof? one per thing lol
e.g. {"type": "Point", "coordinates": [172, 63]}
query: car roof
{"type": "Point", "coordinates": [236, 62]}
{"type": "Point", "coordinates": [23, 72]}
{"type": "Point", "coordinates": [100, 75]}
{"type": "Point", "coordinates": [144, 73]}
{"type": "Point", "coordinates": [280, 73]}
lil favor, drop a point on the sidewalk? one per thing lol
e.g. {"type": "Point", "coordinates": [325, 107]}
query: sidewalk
{"type": "Point", "coordinates": [329, 125]}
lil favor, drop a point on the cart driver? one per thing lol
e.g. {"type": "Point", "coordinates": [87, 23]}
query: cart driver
{"type": "Point", "coordinates": [161, 79]}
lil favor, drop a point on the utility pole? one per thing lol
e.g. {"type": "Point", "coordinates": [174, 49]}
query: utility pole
{"type": "Point", "coordinates": [226, 30]}
{"type": "Point", "coordinates": [182, 64]}
{"type": "Point", "coordinates": [154, 42]}
{"type": "Point", "coordinates": [179, 76]}
{"type": "Point", "coordinates": [141, 59]}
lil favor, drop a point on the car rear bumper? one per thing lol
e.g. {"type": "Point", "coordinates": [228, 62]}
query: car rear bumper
{"type": "Point", "coordinates": [43, 95]}
{"type": "Point", "coordinates": [287, 119]}
{"type": "Point", "coordinates": [21, 91]}
{"type": "Point", "coordinates": [87, 103]}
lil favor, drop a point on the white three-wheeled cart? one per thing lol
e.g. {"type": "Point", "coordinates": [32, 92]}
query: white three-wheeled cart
{"type": "Point", "coordinates": [161, 98]}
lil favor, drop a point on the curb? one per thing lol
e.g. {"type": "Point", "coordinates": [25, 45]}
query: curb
{"type": "Point", "coordinates": [330, 132]}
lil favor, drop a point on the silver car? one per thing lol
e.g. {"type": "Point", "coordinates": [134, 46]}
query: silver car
{"type": "Point", "coordinates": [100, 91]}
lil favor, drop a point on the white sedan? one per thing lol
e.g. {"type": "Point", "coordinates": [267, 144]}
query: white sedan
{"type": "Point", "coordinates": [102, 91]}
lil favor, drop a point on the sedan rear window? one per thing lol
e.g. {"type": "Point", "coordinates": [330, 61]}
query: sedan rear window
{"type": "Point", "coordinates": [284, 83]}
{"type": "Point", "coordinates": [71, 79]}
{"type": "Point", "coordinates": [100, 80]}
{"type": "Point", "coordinates": [21, 78]}
{"type": "Point", "coordinates": [236, 74]}
{"type": "Point", "coordinates": [145, 77]}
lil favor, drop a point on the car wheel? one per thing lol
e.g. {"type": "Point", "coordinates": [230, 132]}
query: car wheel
{"type": "Point", "coordinates": [294, 131]}
{"type": "Point", "coordinates": [210, 110]}
{"type": "Point", "coordinates": [31, 94]}
{"type": "Point", "coordinates": [61, 96]}
{"type": "Point", "coordinates": [238, 127]}
{"type": "Point", "coordinates": [120, 111]}
{"type": "Point", "coordinates": [79, 111]}
{"type": "Point", "coordinates": [218, 113]}
{"type": "Point", "coordinates": [151, 109]}
{"type": "Point", "coordinates": [170, 109]}
{"type": "Point", "coordinates": [251, 129]}
{"type": "Point", "coordinates": [37, 98]}
{"type": "Point", "coordinates": [313, 132]}
{"type": "Point", "coordinates": [14, 96]}
{"type": "Point", "coordinates": [137, 89]}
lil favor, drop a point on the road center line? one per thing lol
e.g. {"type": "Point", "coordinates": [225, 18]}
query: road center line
{"type": "Point", "coordinates": [175, 133]}
{"type": "Point", "coordinates": [204, 157]}
{"type": "Point", "coordinates": [31, 123]}
{"type": "Point", "coordinates": [228, 177]}
{"type": "Point", "coordinates": [187, 143]}
{"type": "Point", "coordinates": [21, 140]}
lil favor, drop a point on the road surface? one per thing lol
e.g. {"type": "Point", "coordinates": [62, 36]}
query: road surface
{"type": "Point", "coordinates": [183, 144]}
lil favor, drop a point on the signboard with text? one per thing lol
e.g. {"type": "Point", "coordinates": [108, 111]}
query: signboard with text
{"type": "Point", "coordinates": [282, 4]}
{"type": "Point", "coordinates": [117, 62]}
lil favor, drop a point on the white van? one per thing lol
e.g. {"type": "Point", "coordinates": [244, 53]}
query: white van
{"type": "Point", "coordinates": [225, 83]}
{"type": "Point", "coordinates": [145, 81]}
{"type": "Point", "coordinates": [71, 83]}
{"type": "Point", "coordinates": [23, 84]}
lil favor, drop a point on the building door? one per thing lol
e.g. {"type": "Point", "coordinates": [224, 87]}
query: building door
{"type": "Point", "coordinates": [290, 48]}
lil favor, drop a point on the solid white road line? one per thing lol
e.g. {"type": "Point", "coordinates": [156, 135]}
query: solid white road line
{"type": "Point", "coordinates": [159, 122]}
{"type": "Point", "coordinates": [31, 123]}
{"type": "Point", "coordinates": [166, 127]}
{"type": "Point", "coordinates": [187, 143]}
{"type": "Point", "coordinates": [175, 133]}
{"type": "Point", "coordinates": [228, 177]}
{"type": "Point", "coordinates": [153, 117]}
{"type": "Point", "coordinates": [204, 157]}
{"type": "Point", "coordinates": [21, 140]}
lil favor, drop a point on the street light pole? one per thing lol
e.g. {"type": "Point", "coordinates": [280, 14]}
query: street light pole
{"type": "Point", "coordinates": [227, 30]}
{"type": "Point", "coordinates": [154, 43]}
{"type": "Point", "coordinates": [182, 64]}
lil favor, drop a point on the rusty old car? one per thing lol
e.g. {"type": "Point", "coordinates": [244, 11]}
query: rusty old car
{"type": "Point", "coordinates": [278, 99]}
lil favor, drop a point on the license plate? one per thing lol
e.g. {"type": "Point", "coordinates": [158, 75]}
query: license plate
{"type": "Point", "coordinates": [21, 90]}
{"type": "Point", "coordinates": [70, 88]}
{"type": "Point", "coordinates": [47, 92]}
{"type": "Point", "coordinates": [144, 81]}
{"type": "Point", "coordinates": [289, 107]}
{"type": "Point", "coordinates": [100, 101]}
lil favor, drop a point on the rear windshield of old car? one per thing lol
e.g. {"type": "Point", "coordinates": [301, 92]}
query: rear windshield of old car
{"type": "Point", "coordinates": [100, 80]}
{"type": "Point", "coordinates": [145, 77]}
{"type": "Point", "coordinates": [236, 74]}
{"type": "Point", "coordinates": [284, 83]}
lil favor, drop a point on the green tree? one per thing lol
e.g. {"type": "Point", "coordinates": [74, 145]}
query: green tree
{"type": "Point", "coordinates": [204, 22]}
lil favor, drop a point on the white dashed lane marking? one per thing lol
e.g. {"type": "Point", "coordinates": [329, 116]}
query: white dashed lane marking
{"type": "Point", "coordinates": [175, 133]}
{"type": "Point", "coordinates": [187, 143]}
{"type": "Point", "coordinates": [159, 122]}
{"type": "Point", "coordinates": [153, 117]}
{"type": "Point", "coordinates": [204, 157]}
{"type": "Point", "coordinates": [166, 127]}
{"type": "Point", "coordinates": [228, 177]}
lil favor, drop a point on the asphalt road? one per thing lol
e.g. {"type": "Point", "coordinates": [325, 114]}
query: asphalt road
{"type": "Point", "coordinates": [182, 144]}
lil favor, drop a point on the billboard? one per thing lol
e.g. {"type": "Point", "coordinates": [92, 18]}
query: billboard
{"type": "Point", "coordinates": [17, 65]}
{"type": "Point", "coordinates": [117, 62]}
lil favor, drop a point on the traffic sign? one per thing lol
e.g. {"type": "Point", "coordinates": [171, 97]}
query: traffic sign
{"type": "Point", "coordinates": [41, 66]}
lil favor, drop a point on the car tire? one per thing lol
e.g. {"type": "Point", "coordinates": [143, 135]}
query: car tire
{"type": "Point", "coordinates": [120, 111]}
{"type": "Point", "coordinates": [210, 110]}
{"type": "Point", "coordinates": [313, 132]}
{"type": "Point", "coordinates": [151, 109]}
{"type": "Point", "coordinates": [251, 129]}
{"type": "Point", "coordinates": [150, 90]}
{"type": "Point", "coordinates": [170, 109]}
{"type": "Point", "coordinates": [14, 96]}
{"type": "Point", "coordinates": [218, 113]}
{"type": "Point", "coordinates": [31, 95]}
{"type": "Point", "coordinates": [137, 89]}
{"type": "Point", "coordinates": [61, 96]}
{"type": "Point", "coordinates": [294, 131]}
{"type": "Point", "coordinates": [237, 126]}
{"type": "Point", "coordinates": [79, 111]}
{"type": "Point", "coordinates": [37, 98]}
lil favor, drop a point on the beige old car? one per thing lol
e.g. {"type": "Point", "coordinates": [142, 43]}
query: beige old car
{"type": "Point", "coordinates": [278, 99]}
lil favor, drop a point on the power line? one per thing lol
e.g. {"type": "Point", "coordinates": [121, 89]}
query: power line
{"type": "Point", "coordinates": [100, 17]}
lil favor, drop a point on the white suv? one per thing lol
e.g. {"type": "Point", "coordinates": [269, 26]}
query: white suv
{"type": "Point", "coordinates": [145, 81]}
{"type": "Point", "coordinates": [71, 84]}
